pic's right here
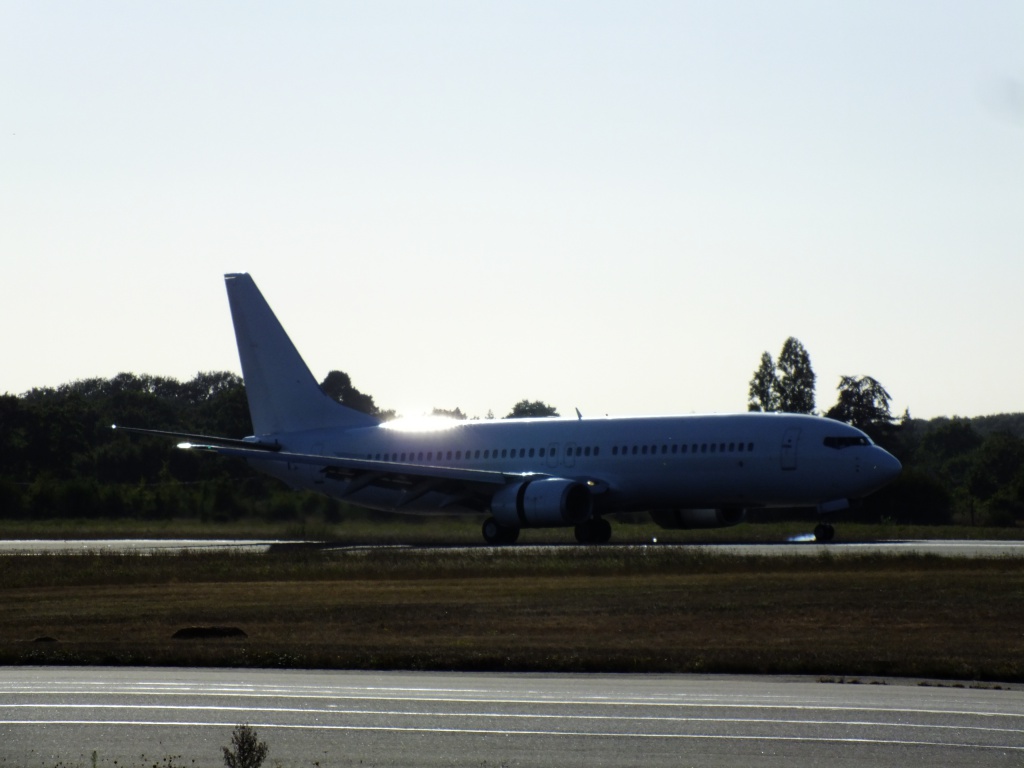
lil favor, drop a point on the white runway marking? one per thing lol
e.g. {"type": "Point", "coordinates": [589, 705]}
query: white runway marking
{"type": "Point", "coordinates": [499, 732]}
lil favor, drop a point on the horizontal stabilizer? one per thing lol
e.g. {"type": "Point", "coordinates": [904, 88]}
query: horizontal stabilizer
{"type": "Point", "coordinates": [209, 439]}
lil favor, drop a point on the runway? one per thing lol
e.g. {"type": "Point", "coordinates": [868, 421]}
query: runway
{"type": "Point", "coordinates": [939, 547]}
{"type": "Point", "coordinates": [141, 717]}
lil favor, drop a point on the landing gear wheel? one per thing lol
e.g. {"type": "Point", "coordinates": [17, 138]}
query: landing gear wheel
{"type": "Point", "coordinates": [824, 532]}
{"type": "Point", "coordinates": [497, 535]}
{"type": "Point", "coordinates": [596, 531]}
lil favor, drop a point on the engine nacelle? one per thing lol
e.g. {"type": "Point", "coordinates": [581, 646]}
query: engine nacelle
{"type": "Point", "coordinates": [672, 519]}
{"type": "Point", "coordinates": [548, 502]}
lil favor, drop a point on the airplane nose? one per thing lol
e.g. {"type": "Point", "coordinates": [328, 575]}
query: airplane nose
{"type": "Point", "coordinates": [887, 466]}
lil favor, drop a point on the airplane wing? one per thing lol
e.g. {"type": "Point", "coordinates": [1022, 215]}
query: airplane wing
{"type": "Point", "coordinates": [457, 488]}
{"type": "Point", "coordinates": [470, 488]}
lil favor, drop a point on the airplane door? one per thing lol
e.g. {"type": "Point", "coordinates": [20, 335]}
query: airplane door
{"type": "Point", "coordinates": [790, 440]}
{"type": "Point", "coordinates": [553, 455]}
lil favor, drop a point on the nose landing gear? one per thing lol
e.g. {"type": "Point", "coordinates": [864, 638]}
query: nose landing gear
{"type": "Point", "coordinates": [823, 532]}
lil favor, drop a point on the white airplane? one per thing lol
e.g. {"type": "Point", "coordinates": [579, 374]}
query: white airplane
{"type": "Point", "coordinates": [688, 471]}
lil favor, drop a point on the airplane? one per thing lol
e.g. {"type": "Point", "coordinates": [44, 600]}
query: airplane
{"type": "Point", "coordinates": [694, 471]}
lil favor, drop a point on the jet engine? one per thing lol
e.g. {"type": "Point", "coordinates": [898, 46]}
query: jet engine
{"type": "Point", "coordinates": [672, 519]}
{"type": "Point", "coordinates": [539, 503]}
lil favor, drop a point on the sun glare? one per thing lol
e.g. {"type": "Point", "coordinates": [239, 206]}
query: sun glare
{"type": "Point", "coordinates": [422, 424]}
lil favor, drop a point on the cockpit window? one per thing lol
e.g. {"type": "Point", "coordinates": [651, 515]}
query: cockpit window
{"type": "Point", "coordinates": [845, 442]}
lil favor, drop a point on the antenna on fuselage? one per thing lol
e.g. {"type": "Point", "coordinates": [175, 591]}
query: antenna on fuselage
{"type": "Point", "coordinates": [579, 416]}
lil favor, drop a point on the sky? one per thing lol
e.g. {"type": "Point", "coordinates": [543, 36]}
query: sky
{"type": "Point", "coordinates": [610, 206]}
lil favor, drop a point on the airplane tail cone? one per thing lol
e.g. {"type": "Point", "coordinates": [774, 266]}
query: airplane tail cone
{"type": "Point", "coordinates": [283, 394]}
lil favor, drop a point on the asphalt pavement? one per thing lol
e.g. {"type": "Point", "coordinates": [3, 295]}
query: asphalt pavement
{"type": "Point", "coordinates": [799, 546]}
{"type": "Point", "coordinates": [136, 717]}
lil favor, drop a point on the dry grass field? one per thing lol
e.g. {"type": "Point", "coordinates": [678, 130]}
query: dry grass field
{"type": "Point", "coordinates": [664, 609]}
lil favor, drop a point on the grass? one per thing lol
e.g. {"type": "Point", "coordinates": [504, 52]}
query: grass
{"type": "Point", "coordinates": [642, 609]}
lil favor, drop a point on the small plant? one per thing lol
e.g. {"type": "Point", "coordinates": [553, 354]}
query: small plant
{"type": "Point", "coordinates": [248, 751]}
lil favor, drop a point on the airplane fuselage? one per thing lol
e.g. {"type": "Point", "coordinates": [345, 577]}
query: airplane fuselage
{"type": "Point", "coordinates": [630, 464]}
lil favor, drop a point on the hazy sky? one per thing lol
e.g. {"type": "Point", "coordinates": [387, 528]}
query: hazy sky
{"type": "Point", "coordinates": [610, 206]}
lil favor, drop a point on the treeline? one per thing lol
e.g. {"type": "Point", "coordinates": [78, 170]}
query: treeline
{"type": "Point", "coordinates": [955, 470]}
{"type": "Point", "coordinates": [966, 471]}
{"type": "Point", "coordinates": [59, 457]}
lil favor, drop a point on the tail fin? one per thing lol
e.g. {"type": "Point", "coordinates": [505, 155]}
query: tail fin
{"type": "Point", "coordinates": [283, 395]}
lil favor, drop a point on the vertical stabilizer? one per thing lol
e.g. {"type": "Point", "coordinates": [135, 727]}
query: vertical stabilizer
{"type": "Point", "coordinates": [283, 395]}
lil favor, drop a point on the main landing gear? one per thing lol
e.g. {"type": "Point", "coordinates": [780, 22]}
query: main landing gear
{"type": "Point", "coordinates": [497, 535]}
{"type": "Point", "coordinates": [823, 532]}
{"type": "Point", "coordinates": [594, 531]}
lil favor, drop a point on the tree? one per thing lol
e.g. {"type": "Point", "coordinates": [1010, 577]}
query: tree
{"type": "Point", "coordinates": [796, 378]}
{"type": "Point", "coordinates": [947, 440]}
{"type": "Point", "coordinates": [863, 402]}
{"type": "Point", "coordinates": [527, 409]}
{"type": "Point", "coordinates": [764, 394]}
{"type": "Point", "coordinates": [338, 386]}
{"type": "Point", "coordinates": [451, 414]}
{"type": "Point", "coordinates": [997, 467]}
{"type": "Point", "coordinates": [787, 386]}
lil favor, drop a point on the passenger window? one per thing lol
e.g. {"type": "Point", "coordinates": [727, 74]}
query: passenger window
{"type": "Point", "coordinates": [664, 449]}
{"type": "Point", "coordinates": [644, 450]}
{"type": "Point", "coordinates": [541, 453]}
{"type": "Point", "coordinates": [732, 447]}
{"type": "Point", "coordinates": [741, 447]}
{"type": "Point", "coordinates": [635, 449]}
{"type": "Point", "coordinates": [703, 447]}
{"type": "Point", "coordinates": [522, 453]}
{"type": "Point", "coordinates": [597, 450]}
{"type": "Point", "coordinates": [504, 452]}
{"type": "Point", "coordinates": [579, 451]}
{"type": "Point", "coordinates": [750, 446]}
{"type": "Point", "coordinates": [586, 451]}
{"type": "Point", "coordinates": [615, 450]}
